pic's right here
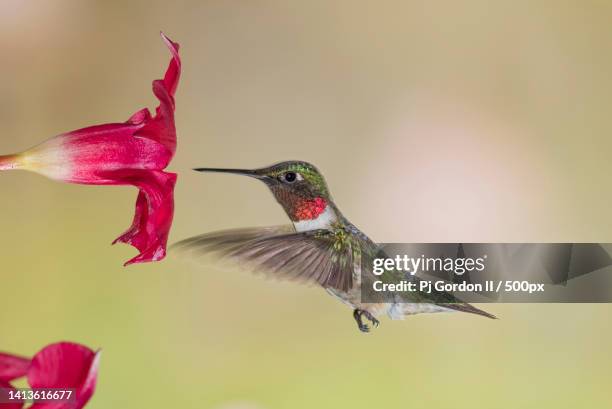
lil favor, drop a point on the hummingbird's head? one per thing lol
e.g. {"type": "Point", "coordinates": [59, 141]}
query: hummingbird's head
{"type": "Point", "coordinates": [298, 186]}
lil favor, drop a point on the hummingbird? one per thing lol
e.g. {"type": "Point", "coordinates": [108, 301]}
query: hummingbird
{"type": "Point", "coordinates": [320, 246]}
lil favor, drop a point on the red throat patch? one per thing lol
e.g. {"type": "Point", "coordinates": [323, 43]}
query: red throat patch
{"type": "Point", "coordinates": [309, 209]}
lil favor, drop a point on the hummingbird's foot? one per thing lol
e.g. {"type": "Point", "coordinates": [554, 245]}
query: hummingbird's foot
{"type": "Point", "coordinates": [372, 319]}
{"type": "Point", "coordinates": [357, 314]}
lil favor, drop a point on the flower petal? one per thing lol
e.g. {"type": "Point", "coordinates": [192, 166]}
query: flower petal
{"type": "Point", "coordinates": [61, 365]}
{"type": "Point", "coordinates": [154, 212]}
{"type": "Point", "coordinates": [12, 367]}
{"type": "Point", "coordinates": [173, 73]}
{"type": "Point", "coordinates": [65, 365]}
{"type": "Point", "coordinates": [82, 156]}
{"type": "Point", "coordinates": [4, 396]}
{"type": "Point", "coordinates": [162, 128]}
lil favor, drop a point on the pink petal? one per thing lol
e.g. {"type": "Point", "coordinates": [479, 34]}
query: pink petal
{"type": "Point", "coordinates": [173, 73]}
{"type": "Point", "coordinates": [82, 156]}
{"type": "Point", "coordinates": [65, 365]}
{"type": "Point", "coordinates": [4, 396]}
{"type": "Point", "coordinates": [154, 212]}
{"type": "Point", "coordinates": [60, 365]}
{"type": "Point", "coordinates": [12, 367]}
{"type": "Point", "coordinates": [161, 128]}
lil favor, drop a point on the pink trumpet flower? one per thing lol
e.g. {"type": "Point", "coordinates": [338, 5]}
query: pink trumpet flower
{"type": "Point", "coordinates": [134, 152]}
{"type": "Point", "coordinates": [62, 366]}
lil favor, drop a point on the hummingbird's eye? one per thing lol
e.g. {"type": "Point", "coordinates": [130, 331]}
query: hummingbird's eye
{"type": "Point", "coordinates": [291, 177]}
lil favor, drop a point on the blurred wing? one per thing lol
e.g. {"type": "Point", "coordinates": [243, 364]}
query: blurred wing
{"type": "Point", "coordinates": [318, 256]}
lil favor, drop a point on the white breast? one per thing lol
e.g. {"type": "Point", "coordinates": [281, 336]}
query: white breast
{"type": "Point", "coordinates": [323, 221]}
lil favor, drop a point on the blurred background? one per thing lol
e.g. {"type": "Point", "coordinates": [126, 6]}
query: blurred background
{"type": "Point", "coordinates": [434, 121]}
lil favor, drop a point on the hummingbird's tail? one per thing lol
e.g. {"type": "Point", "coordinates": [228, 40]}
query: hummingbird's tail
{"type": "Point", "coordinates": [464, 307]}
{"type": "Point", "coordinates": [8, 162]}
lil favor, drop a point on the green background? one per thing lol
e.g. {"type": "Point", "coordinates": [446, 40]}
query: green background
{"type": "Point", "coordinates": [437, 121]}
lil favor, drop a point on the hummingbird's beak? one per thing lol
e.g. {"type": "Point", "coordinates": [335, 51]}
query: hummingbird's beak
{"type": "Point", "coordinates": [244, 172]}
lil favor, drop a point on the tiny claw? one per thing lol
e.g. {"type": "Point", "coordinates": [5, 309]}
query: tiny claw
{"type": "Point", "coordinates": [358, 314]}
{"type": "Point", "coordinates": [372, 319]}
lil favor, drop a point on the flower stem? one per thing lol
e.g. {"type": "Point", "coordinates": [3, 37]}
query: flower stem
{"type": "Point", "coordinates": [8, 162]}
